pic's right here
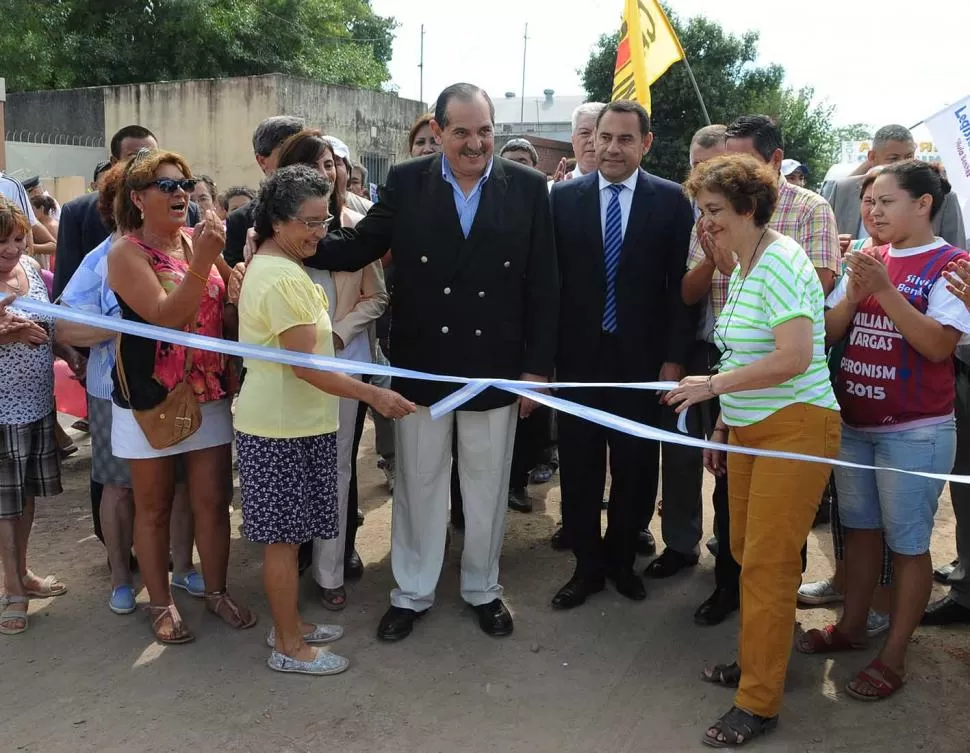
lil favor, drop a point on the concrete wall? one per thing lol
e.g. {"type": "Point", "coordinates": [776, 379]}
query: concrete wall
{"type": "Point", "coordinates": [71, 112]}
{"type": "Point", "coordinates": [53, 160]}
{"type": "Point", "coordinates": [209, 122]}
{"type": "Point", "coordinates": [368, 122]}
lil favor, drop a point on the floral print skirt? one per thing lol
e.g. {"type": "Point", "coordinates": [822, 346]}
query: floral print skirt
{"type": "Point", "coordinates": [289, 488]}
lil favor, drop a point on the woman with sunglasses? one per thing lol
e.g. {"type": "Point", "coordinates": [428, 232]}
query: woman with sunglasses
{"type": "Point", "coordinates": [163, 277]}
{"type": "Point", "coordinates": [896, 385]}
{"type": "Point", "coordinates": [356, 300]}
{"type": "Point", "coordinates": [287, 416]}
{"type": "Point", "coordinates": [775, 394]}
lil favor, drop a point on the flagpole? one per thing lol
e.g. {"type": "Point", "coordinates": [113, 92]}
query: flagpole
{"type": "Point", "coordinates": [697, 89]}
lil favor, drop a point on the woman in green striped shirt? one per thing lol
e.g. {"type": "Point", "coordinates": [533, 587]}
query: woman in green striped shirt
{"type": "Point", "coordinates": [774, 391]}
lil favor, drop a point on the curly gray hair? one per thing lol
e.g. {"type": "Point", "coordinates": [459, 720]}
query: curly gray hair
{"type": "Point", "coordinates": [283, 193]}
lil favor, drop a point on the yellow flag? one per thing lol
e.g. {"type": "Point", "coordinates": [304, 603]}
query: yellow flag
{"type": "Point", "coordinates": [648, 47]}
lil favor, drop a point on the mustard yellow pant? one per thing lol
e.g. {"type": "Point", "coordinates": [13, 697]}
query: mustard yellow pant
{"type": "Point", "coordinates": [772, 505]}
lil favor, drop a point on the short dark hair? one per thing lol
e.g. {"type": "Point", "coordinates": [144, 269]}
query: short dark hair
{"type": "Point", "coordinates": [868, 180]}
{"type": "Point", "coordinates": [274, 131]}
{"type": "Point", "coordinates": [129, 132]}
{"type": "Point", "coordinates": [627, 106]}
{"type": "Point", "coordinates": [306, 147]}
{"type": "Point", "coordinates": [44, 204]}
{"type": "Point", "coordinates": [747, 184]}
{"type": "Point", "coordinates": [100, 168]}
{"type": "Point", "coordinates": [762, 130]}
{"type": "Point", "coordinates": [520, 145]}
{"type": "Point", "coordinates": [232, 192]}
{"type": "Point", "coordinates": [210, 183]}
{"type": "Point", "coordinates": [918, 178]}
{"type": "Point", "coordinates": [283, 193]}
{"type": "Point", "coordinates": [465, 93]}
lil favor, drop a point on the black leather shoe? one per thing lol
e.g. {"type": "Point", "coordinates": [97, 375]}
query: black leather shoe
{"type": "Point", "coordinates": [945, 611]}
{"type": "Point", "coordinates": [397, 623]}
{"type": "Point", "coordinates": [646, 546]}
{"type": "Point", "coordinates": [353, 567]}
{"type": "Point", "coordinates": [629, 584]}
{"type": "Point", "coordinates": [717, 607]}
{"type": "Point", "coordinates": [559, 540]}
{"type": "Point", "coordinates": [576, 591]}
{"type": "Point", "coordinates": [519, 500]}
{"type": "Point", "coordinates": [942, 573]}
{"type": "Point", "coordinates": [669, 563]}
{"type": "Point", "coordinates": [494, 619]}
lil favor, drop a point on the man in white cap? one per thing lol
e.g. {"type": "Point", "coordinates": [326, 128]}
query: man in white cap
{"type": "Point", "coordinates": [794, 171]}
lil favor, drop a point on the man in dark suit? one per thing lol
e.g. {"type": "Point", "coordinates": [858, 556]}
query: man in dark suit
{"type": "Point", "coordinates": [476, 294]}
{"type": "Point", "coordinates": [622, 236]}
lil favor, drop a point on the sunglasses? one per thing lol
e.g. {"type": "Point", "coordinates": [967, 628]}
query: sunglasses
{"type": "Point", "coordinates": [315, 224]}
{"type": "Point", "coordinates": [171, 185]}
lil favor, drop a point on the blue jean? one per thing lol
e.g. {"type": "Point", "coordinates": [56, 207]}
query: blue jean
{"type": "Point", "coordinates": [903, 506]}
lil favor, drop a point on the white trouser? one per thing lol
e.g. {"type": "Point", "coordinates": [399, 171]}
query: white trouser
{"type": "Point", "coordinates": [420, 506]}
{"type": "Point", "coordinates": [328, 554]}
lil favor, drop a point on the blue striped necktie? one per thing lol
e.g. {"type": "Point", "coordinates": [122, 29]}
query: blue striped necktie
{"type": "Point", "coordinates": [612, 245]}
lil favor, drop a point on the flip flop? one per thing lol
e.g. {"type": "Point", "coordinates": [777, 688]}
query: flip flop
{"type": "Point", "coordinates": [880, 678]}
{"type": "Point", "coordinates": [828, 640]}
{"type": "Point", "coordinates": [49, 587]}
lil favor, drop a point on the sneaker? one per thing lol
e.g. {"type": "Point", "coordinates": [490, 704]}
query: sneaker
{"type": "Point", "coordinates": [122, 600]}
{"type": "Point", "coordinates": [818, 593]}
{"type": "Point", "coordinates": [388, 467]}
{"type": "Point", "coordinates": [876, 623]}
{"type": "Point", "coordinates": [191, 582]}
{"type": "Point", "coordinates": [320, 634]}
{"type": "Point", "coordinates": [324, 664]}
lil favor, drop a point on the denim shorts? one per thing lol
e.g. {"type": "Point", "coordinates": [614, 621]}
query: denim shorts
{"type": "Point", "coordinates": [903, 506]}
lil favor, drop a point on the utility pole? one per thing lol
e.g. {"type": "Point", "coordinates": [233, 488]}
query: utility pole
{"type": "Point", "coordinates": [525, 47]}
{"type": "Point", "coordinates": [421, 64]}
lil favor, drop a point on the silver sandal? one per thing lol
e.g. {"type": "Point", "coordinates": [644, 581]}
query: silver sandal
{"type": "Point", "coordinates": [319, 635]}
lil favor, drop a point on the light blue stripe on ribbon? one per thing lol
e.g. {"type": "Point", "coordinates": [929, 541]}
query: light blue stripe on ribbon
{"type": "Point", "coordinates": [471, 386]}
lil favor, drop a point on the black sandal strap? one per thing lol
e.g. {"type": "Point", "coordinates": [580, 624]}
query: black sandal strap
{"type": "Point", "coordinates": [739, 727]}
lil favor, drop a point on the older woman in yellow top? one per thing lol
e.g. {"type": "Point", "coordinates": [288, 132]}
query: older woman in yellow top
{"type": "Point", "coordinates": [286, 418]}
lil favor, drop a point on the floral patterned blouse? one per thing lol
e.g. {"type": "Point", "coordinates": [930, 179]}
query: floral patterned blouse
{"type": "Point", "coordinates": [152, 367]}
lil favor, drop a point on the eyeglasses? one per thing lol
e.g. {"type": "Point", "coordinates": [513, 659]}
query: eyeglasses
{"type": "Point", "coordinates": [315, 224]}
{"type": "Point", "coordinates": [171, 185]}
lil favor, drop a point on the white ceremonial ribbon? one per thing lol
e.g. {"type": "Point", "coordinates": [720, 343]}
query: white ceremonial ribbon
{"type": "Point", "coordinates": [471, 386]}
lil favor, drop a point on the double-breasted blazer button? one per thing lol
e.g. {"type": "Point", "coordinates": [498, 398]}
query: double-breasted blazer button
{"type": "Point", "coordinates": [481, 293]}
{"type": "Point", "coordinates": [507, 264]}
{"type": "Point", "coordinates": [478, 333]}
{"type": "Point", "coordinates": [424, 259]}
{"type": "Point", "coordinates": [444, 330]}
{"type": "Point", "coordinates": [447, 291]}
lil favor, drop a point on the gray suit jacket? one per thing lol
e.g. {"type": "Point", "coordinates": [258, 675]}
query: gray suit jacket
{"type": "Point", "coordinates": [844, 198]}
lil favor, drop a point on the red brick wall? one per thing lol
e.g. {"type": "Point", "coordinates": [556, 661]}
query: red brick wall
{"type": "Point", "coordinates": [550, 152]}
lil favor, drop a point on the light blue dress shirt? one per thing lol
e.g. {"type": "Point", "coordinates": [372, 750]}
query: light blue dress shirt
{"type": "Point", "coordinates": [467, 206]}
{"type": "Point", "coordinates": [88, 291]}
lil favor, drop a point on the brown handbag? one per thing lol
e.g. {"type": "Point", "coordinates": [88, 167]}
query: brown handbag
{"type": "Point", "coordinates": [176, 418]}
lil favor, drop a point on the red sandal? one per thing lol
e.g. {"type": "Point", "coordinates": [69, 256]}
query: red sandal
{"type": "Point", "coordinates": [828, 640]}
{"type": "Point", "coordinates": [877, 676]}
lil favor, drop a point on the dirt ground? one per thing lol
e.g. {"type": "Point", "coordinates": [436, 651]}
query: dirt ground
{"type": "Point", "coordinates": [611, 677]}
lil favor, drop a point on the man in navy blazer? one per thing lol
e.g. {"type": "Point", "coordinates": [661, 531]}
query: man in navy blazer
{"type": "Point", "coordinates": [622, 237]}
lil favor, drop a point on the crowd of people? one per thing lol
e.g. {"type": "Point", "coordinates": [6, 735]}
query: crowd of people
{"type": "Point", "coordinates": [832, 327]}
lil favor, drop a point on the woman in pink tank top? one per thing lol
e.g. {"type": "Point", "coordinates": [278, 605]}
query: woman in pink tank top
{"type": "Point", "coordinates": [163, 277]}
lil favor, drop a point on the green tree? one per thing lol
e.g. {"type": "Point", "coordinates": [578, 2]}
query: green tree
{"type": "Point", "coordinates": [73, 43]}
{"type": "Point", "coordinates": [732, 85]}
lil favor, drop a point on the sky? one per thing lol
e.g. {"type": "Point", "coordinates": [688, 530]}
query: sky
{"type": "Point", "coordinates": [877, 61]}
